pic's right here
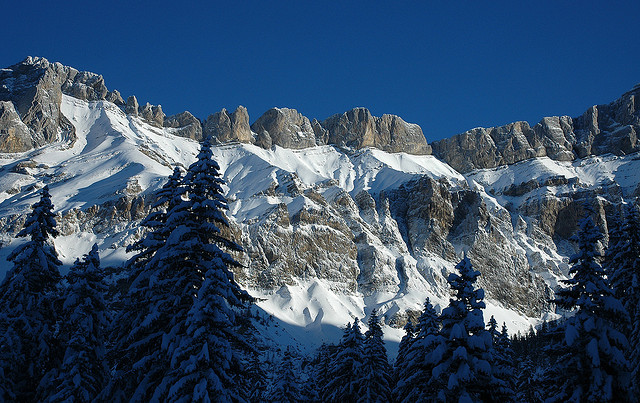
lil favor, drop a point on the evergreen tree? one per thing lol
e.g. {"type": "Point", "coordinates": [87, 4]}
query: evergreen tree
{"type": "Point", "coordinates": [403, 348]}
{"type": "Point", "coordinates": [413, 379]}
{"type": "Point", "coordinates": [345, 371]}
{"type": "Point", "coordinates": [503, 389]}
{"type": "Point", "coordinates": [83, 371]}
{"type": "Point", "coordinates": [167, 198]}
{"type": "Point", "coordinates": [286, 388]}
{"type": "Point", "coordinates": [201, 292]}
{"type": "Point", "coordinates": [28, 349]}
{"type": "Point", "coordinates": [592, 366]}
{"type": "Point", "coordinates": [376, 372]}
{"type": "Point", "coordinates": [321, 374]}
{"type": "Point", "coordinates": [462, 363]}
{"type": "Point", "coordinates": [145, 319]}
{"type": "Point", "coordinates": [178, 346]}
{"type": "Point", "coordinates": [623, 261]}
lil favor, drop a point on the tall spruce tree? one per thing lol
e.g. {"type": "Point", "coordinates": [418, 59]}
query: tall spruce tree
{"type": "Point", "coordinates": [201, 292]}
{"type": "Point", "coordinates": [462, 362]}
{"type": "Point", "coordinates": [286, 387]}
{"type": "Point", "coordinates": [83, 371]}
{"type": "Point", "coordinates": [140, 332]}
{"type": "Point", "coordinates": [28, 348]}
{"type": "Point", "coordinates": [503, 387]}
{"type": "Point", "coordinates": [413, 378]}
{"type": "Point", "coordinates": [376, 372]}
{"type": "Point", "coordinates": [345, 371]}
{"type": "Point", "coordinates": [403, 348]}
{"type": "Point", "coordinates": [592, 366]}
{"type": "Point", "coordinates": [623, 263]}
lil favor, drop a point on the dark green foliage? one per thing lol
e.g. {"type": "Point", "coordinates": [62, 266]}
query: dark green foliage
{"type": "Point", "coordinates": [591, 364]}
{"type": "Point", "coordinates": [83, 371]}
{"type": "Point", "coordinates": [375, 381]}
{"type": "Point", "coordinates": [28, 293]}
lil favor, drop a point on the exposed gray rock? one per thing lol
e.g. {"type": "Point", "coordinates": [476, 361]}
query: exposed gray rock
{"type": "Point", "coordinates": [14, 134]}
{"type": "Point", "coordinates": [115, 97]}
{"type": "Point", "coordinates": [35, 87]}
{"type": "Point", "coordinates": [223, 127]}
{"type": "Point", "coordinates": [186, 125]}
{"type": "Point", "coordinates": [602, 129]}
{"type": "Point", "coordinates": [357, 128]}
{"type": "Point", "coordinates": [152, 114]}
{"type": "Point", "coordinates": [84, 85]}
{"type": "Point", "coordinates": [132, 106]}
{"type": "Point", "coordinates": [286, 127]}
{"type": "Point", "coordinates": [322, 134]}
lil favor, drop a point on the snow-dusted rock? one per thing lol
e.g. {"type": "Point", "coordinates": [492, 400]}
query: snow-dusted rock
{"type": "Point", "coordinates": [357, 128]}
{"type": "Point", "coordinates": [14, 135]}
{"type": "Point", "coordinates": [286, 128]}
{"type": "Point", "coordinates": [186, 125]}
{"type": "Point", "coordinates": [602, 129]}
{"type": "Point", "coordinates": [224, 127]}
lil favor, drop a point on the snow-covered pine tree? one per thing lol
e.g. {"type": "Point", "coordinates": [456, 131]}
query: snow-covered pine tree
{"type": "Point", "coordinates": [146, 315]}
{"type": "Point", "coordinates": [83, 371]}
{"type": "Point", "coordinates": [413, 379]}
{"type": "Point", "coordinates": [623, 261]}
{"type": "Point", "coordinates": [321, 373]}
{"type": "Point", "coordinates": [503, 388]}
{"type": "Point", "coordinates": [462, 363]}
{"type": "Point", "coordinates": [345, 372]}
{"type": "Point", "coordinates": [167, 198]}
{"type": "Point", "coordinates": [286, 387]}
{"type": "Point", "coordinates": [403, 349]}
{"type": "Point", "coordinates": [202, 294]}
{"type": "Point", "coordinates": [28, 349]}
{"type": "Point", "coordinates": [592, 366]}
{"type": "Point", "coordinates": [376, 372]}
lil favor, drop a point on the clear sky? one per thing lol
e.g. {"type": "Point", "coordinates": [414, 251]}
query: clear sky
{"type": "Point", "coordinates": [448, 66]}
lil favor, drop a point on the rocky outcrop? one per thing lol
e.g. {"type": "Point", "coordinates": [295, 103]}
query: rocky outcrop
{"type": "Point", "coordinates": [132, 106]}
{"type": "Point", "coordinates": [602, 129]}
{"type": "Point", "coordinates": [357, 128]}
{"type": "Point", "coordinates": [152, 114]}
{"type": "Point", "coordinates": [15, 136]}
{"type": "Point", "coordinates": [186, 125]}
{"type": "Point", "coordinates": [223, 127]}
{"type": "Point", "coordinates": [35, 87]}
{"type": "Point", "coordinates": [286, 128]}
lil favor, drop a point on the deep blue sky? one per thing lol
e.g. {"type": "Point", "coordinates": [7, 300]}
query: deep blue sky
{"type": "Point", "coordinates": [448, 66]}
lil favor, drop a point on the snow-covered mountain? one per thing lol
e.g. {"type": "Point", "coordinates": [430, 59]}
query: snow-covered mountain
{"type": "Point", "coordinates": [332, 225]}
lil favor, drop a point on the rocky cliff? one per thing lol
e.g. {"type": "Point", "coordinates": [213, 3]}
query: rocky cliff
{"type": "Point", "coordinates": [602, 129]}
{"type": "Point", "coordinates": [35, 87]}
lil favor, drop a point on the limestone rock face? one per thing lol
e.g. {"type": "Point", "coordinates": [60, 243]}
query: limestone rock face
{"type": "Point", "coordinates": [286, 128]}
{"type": "Point", "coordinates": [132, 106]}
{"type": "Point", "coordinates": [602, 129]}
{"type": "Point", "coordinates": [186, 125]}
{"type": "Point", "coordinates": [152, 114]}
{"type": "Point", "coordinates": [357, 128]}
{"type": "Point", "coordinates": [14, 135]}
{"type": "Point", "coordinates": [35, 87]}
{"type": "Point", "coordinates": [223, 127]}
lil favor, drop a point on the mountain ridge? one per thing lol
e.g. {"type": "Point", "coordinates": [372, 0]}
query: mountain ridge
{"type": "Point", "coordinates": [330, 231]}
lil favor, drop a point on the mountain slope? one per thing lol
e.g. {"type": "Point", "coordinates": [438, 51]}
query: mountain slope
{"type": "Point", "coordinates": [330, 232]}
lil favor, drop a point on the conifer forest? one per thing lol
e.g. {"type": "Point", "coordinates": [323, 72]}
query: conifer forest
{"type": "Point", "coordinates": [175, 326]}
